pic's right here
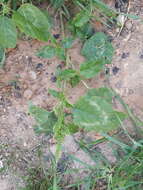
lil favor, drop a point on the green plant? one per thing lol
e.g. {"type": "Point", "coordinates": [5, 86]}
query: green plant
{"type": "Point", "coordinates": [93, 111]}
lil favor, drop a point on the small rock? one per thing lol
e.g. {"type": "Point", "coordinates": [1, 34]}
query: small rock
{"type": "Point", "coordinates": [131, 91]}
{"type": "Point", "coordinates": [141, 56]}
{"type": "Point", "coordinates": [115, 70]}
{"type": "Point", "coordinates": [129, 25]}
{"type": "Point", "coordinates": [27, 94]}
{"type": "Point", "coordinates": [59, 66]}
{"type": "Point", "coordinates": [39, 66]}
{"type": "Point", "coordinates": [53, 79]}
{"type": "Point", "coordinates": [17, 94]}
{"type": "Point", "coordinates": [125, 55]}
{"type": "Point", "coordinates": [56, 36]}
{"type": "Point", "coordinates": [33, 75]}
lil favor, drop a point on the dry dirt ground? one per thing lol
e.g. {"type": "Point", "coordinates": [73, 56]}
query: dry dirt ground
{"type": "Point", "coordinates": [27, 78]}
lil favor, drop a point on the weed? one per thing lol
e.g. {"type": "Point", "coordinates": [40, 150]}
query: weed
{"type": "Point", "coordinates": [93, 111]}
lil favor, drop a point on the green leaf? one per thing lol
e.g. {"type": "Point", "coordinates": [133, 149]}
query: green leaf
{"type": "Point", "coordinates": [56, 94]}
{"type": "Point", "coordinates": [84, 32]}
{"type": "Point", "coordinates": [81, 18]}
{"type": "Point", "coordinates": [75, 80]}
{"type": "Point", "coordinates": [46, 52]}
{"type": "Point", "coordinates": [32, 22]}
{"type": "Point", "coordinates": [98, 48]}
{"type": "Point", "coordinates": [132, 16]}
{"type": "Point", "coordinates": [66, 74]}
{"type": "Point", "coordinates": [103, 92]}
{"type": "Point", "coordinates": [8, 33]}
{"type": "Point", "coordinates": [72, 128]}
{"type": "Point", "coordinates": [95, 113]}
{"type": "Point", "coordinates": [60, 53]}
{"type": "Point", "coordinates": [90, 69]}
{"type": "Point", "coordinates": [60, 96]}
{"type": "Point", "coordinates": [2, 57]}
{"type": "Point", "coordinates": [45, 120]}
{"type": "Point", "coordinates": [67, 42]}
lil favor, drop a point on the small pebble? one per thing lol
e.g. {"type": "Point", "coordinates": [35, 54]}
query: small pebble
{"type": "Point", "coordinates": [131, 91]}
{"type": "Point", "coordinates": [115, 70]}
{"type": "Point", "coordinates": [39, 66]}
{"type": "Point", "coordinates": [110, 38]}
{"type": "Point", "coordinates": [59, 66]}
{"type": "Point", "coordinates": [27, 94]}
{"type": "Point", "coordinates": [117, 5]}
{"type": "Point", "coordinates": [17, 94]}
{"type": "Point", "coordinates": [125, 55]}
{"type": "Point", "coordinates": [53, 79]}
{"type": "Point", "coordinates": [129, 25]}
{"type": "Point", "coordinates": [33, 75]}
{"type": "Point", "coordinates": [141, 56]}
{"type": "Point", "coordinates": [56, 36]}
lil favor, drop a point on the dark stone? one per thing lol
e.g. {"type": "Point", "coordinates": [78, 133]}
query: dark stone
{"type": "Point", "coordinates": [110, 38]}
{"type": "Point", "coordinates": [59, 66]}
{"type": "Point", "coordinates": [125, 55]}
{"type": "Point", "coordinates": [17, 94]}
{"type": "Point", "coordinates": [63, 163]}
{"type": "Point", "coordinates": [56, 36]}
{"type": "Point", "coordinates": [53, 79]}
{"type": "Point", "coordinates": [15, 85]}
{"type": "Point", "coordinates": [39, 66]}
{"type": "Point", "coordinates": [115, 70]}
{"type": "Point", "coordinates": [141, 56]}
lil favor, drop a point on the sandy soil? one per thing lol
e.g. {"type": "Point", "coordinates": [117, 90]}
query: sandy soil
{"type": "Point", "coordinates": [27, 78]}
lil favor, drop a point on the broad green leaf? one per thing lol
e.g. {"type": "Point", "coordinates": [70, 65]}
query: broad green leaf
{"type": "Point", "coordinates": [50, 52]}
{"type": "Point", "coordinates": [46, 52]}
{"type": "Point", "coordinates": [60, 96]}
{"type": "Point", "coordinates": [32, 22]}
{"type": "Point", "coordinates": [95, 113]}
{"type": "Point", "coordinates": [67, 74]}
{"type": "Point", "coordinates": [56, 94]}
{"type": "Point", "coordinates": [72, 128]}
{"type": "Point", "coordinates": [67, 42]}
{"type": "Point", "coordinates": [98, 48]}
{"type": "Point", "coordinates": [2, 57]}
{"type": "Point", "coordinates": [60, 53]}
{"type": "Point", "coordinates": [45, 120]}
{"type": "Point", "coordinates": [103, 92]}
{"type": "Point", "coordinates": [81, 18]}
{"type": "Point", "coordinates": [75, 80]}
{"type": "Point", "coordinates": [91, 68]}
{"type": "Point", "coordinates": [8, 33]}
{"type": "Point", "coordinates": [84, 32]}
